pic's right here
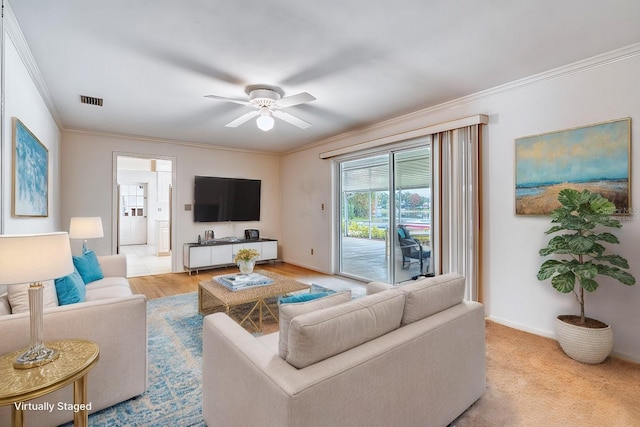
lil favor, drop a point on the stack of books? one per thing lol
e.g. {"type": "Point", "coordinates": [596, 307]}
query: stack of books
{"type": "Point", "coordinates": [237, 282]}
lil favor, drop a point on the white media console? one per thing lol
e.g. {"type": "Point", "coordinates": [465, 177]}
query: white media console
{"type": "Point", "coordinates": [221, 253]}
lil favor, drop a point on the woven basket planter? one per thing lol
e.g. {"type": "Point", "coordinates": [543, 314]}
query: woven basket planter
{"type": "Point", "coordinates": [586, 345]}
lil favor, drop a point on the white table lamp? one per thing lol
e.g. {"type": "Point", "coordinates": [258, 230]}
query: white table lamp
{"type": "Point", "coordinates": [33, 259]}
{"type": "Point", "coordinates": [89, 227]}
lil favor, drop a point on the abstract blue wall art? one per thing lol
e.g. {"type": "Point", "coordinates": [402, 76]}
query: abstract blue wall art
{"type": "Point", "coordinates": [594, 157]}
{"type": "Point", "coordinates": [30, 173]}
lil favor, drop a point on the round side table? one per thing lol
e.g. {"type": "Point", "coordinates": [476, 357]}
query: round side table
{"type": "Point", "coordinates": [77, 358]}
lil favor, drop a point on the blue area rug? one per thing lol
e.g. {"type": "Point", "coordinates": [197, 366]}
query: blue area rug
{"type": "Point", "coordinates": [174, 392]}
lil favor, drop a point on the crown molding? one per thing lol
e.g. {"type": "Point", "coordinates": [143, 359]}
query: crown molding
{"type": "Point", "coordinates": [13, 30]}
{"type": "Point", "coordinates": [169, 141]}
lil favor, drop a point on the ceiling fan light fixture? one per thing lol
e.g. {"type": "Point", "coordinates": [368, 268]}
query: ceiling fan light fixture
{"type": "Point", "coordinates": [268, 104]}
{"type": "Point", "coordinates": [264, 121]}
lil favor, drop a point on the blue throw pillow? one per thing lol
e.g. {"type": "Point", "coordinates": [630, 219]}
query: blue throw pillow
{"type": "Point", "coordinates": [303, 297]}
{"type": "Point", "coordinates": [70, 289]}
{"type": "Point", "coordinates": [88, 267]}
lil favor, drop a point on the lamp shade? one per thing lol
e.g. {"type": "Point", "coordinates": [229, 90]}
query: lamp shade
{"type": "Point", "coordinates": [88, 227]}
{"type": "Point", "coordinates": [31, 258]}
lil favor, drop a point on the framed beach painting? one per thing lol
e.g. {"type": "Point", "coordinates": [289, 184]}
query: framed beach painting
{"type": "Point", "coordinates": [30, 173]}
{"type": "Point", "coordinates": [594, 157]}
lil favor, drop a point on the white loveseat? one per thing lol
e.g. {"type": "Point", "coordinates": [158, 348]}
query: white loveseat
{"type": "Point", "coordinates": [406, 356]}
{"type": "Point", "coordinates": [113, 318]}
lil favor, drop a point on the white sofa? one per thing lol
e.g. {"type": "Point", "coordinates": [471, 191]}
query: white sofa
{"type": "Point", "coordinates": [113, 318]}
{"type": "Point", "coordinates": [406, 356]}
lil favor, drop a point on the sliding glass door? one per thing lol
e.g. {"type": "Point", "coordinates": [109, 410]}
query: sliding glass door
{"type": "Point", "coordinates": [364, 222]}
{"type": "Point", "coordinates": [385, 214]}
{"type": "Point", "coordinates": [412, 221]}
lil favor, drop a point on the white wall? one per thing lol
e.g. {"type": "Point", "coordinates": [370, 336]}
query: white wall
{"type": "Point", "coordinates": [88, 186]}
{"type": "Point", "coordinates": [22, 100]}
{"type": "Point", "coordinates": [597, 90]}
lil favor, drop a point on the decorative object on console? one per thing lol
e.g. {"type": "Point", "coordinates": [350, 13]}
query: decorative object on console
{"type": "Point", "coordinates": [33, 259]}
{"type": "Point", "coordinates": [251, 234]}
{"type": "Point", "coordinates": [246, 260]}
{"type": "Point", "coordinates": [582, 217]}
{"type": "Point", "coordinates": [31, 173]}
{"type": "Point", "coordinates": [594, 157]}
{"type": "Point", "coordinates": [85, 228]}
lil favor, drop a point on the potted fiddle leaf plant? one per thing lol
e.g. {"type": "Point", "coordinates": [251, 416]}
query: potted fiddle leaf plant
{"type": "Point", "coordinates": [581, 219]}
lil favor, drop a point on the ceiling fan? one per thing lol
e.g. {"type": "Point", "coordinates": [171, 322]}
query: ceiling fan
{"type": "Point", "coordinates": [268, 103]}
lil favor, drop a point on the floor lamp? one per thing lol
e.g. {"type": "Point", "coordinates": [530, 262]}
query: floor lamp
{"type": "Point", "coordinates": [33, 259]}
{"type": "Point", "coordinates": [85, 227]}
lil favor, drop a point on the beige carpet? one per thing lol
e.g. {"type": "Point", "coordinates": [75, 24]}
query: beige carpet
{"type": "Point", "coordinates": [531, 382]}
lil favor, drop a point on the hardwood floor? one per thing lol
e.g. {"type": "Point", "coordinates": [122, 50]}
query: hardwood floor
{"type": "Point", "coordinates": [164, 285]}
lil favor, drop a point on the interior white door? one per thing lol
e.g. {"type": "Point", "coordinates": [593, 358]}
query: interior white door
{"type": "Point", "coordinates": [133, 214]}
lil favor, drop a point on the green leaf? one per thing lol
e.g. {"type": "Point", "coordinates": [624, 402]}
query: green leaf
{"type": "Point", "coordinates": [546, 251]}
{"type": "Point", "coordinates": [610, 222]}
{"type": "Point", "coordinates": [580, 245]}
{"type": "Point", "coordinates": [597, 250]}
{"type": "Point", "coordinates": [569, 198]}
{"type": "Point", "coordinates": [600, 205]}
{"type": "Point", "coordinates": [607, 237]}
{"type": "Point", "coordinates": [586, 271]}
{"type": "Point", "coordinates": [554, 229]}
{"type": "Point", "coordinates": [626, 278]}
{"type": "Point", "coordinates": [616, 260]}
{"type": "Point", "coordinates": [564, 282]}
{"type": "Point", "coordinates": [551, 267]}
{"type": "Point", "coordinates": [614, 272]}
{"type": "Point", "coordinates": [589, 285]}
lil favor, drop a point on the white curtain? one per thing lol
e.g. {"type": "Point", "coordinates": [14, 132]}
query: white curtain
{"type": "Point", "coordinates": [457, 186]}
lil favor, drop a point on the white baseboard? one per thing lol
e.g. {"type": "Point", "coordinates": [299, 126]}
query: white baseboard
{"type": "Point", "coordinates": [521, 327]}
{"type": "Point", "coordinates": [552, 335]}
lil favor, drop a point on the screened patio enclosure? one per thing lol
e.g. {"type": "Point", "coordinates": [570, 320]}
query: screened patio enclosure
{"type": "Point", "coordinates": [370, 244]}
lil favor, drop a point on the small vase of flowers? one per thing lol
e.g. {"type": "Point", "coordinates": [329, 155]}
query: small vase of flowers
{"type": "Point", "coordinates": [246, 260]}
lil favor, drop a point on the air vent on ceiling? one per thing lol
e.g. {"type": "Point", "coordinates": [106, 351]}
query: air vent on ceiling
{"type": "Point", "coordinates": [91, 100]}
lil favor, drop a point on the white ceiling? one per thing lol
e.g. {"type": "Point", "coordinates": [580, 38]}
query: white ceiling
{"type": "Point", "coordinates": [364, 60]}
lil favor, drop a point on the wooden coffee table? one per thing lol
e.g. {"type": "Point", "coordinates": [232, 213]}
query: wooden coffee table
{"type": "Point", "coordinates": [212, 297]}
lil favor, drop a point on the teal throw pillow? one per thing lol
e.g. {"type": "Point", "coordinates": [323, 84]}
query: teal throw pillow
{"type": "Point", "coordinates": [303, 297]}
{"type": "Point", "coordinates": [70, 289]}
{"type": "Point", "coordinates": [88, 267]}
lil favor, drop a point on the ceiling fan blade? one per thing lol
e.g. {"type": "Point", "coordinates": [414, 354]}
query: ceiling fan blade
{"type": "Point", "coordinates": [242, 119]}
{"type": "Point", "coordinates": [290, 101]}
{"type": "Point", "coordinates": [291, 119]}
{"type": "Point", "coordinates": [223, 98]}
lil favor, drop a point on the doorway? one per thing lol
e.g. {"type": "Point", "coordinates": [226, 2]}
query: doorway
{"type": "Point", "coordinates": [144, 204]}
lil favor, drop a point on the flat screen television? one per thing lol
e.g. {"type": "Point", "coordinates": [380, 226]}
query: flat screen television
{"type": "Point", "coordinates": [226, 199]}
